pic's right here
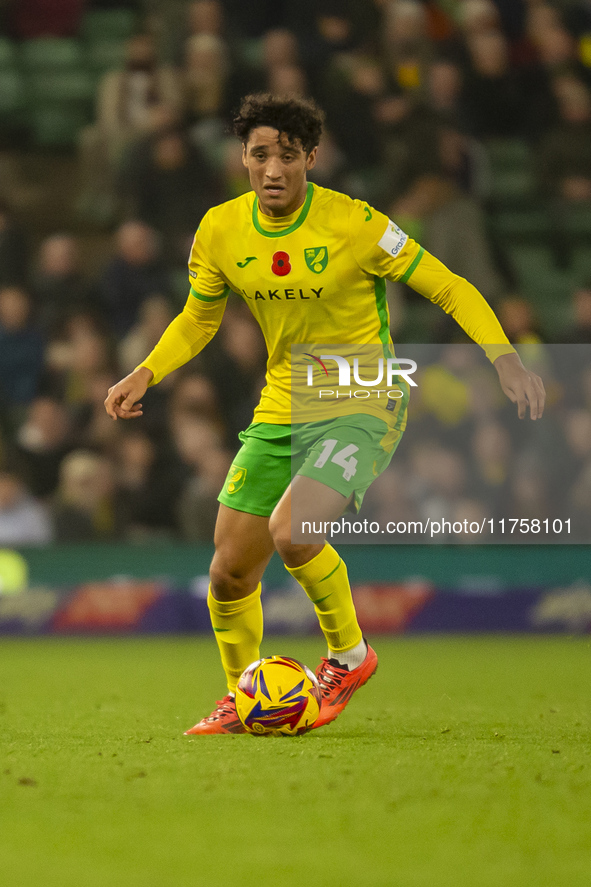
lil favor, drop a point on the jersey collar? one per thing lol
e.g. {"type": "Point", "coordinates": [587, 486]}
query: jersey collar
{"type": "Point", "coordinates": [294, 226]}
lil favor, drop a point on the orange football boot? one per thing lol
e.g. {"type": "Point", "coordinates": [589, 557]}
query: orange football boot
{"type": "Point", "coordinates": [337, 684]}
{"type": "Point", "coordinates": [223, 719]}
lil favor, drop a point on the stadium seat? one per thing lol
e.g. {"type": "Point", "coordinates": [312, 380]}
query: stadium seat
{"type": "Point", "coordinates": [521, 224]}
{"type": "Point", "coordinates": [581, 263]}
{"type": "Point", "coordinates": [52, 53]}
{"type": "Point", "coordinates": [109, 24]}
{"type": "Point", "coordinates": [12, 92]}
{"type": "Point", "coordinates": [104, 55]}
{"type": "Point", "coordinates": [508, 153]}
{"type": "Point", "coordinates": [511, 172]}
{"type": "Point", "coordinates": [8, 54]}
{"type": "Point", "coordinates": [577, 221]}
{"type": "Point", "coordinates": [57, 126]}
{"type": "Point", "coordinates": [536, 272]}
{"type": "Point", "coordinates": [62, 86]}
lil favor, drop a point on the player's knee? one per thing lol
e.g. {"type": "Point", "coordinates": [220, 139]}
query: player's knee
{"type": "Point", "coordinates": [280, 533]}
{"type": "Point", "coordinates": [287, 550]}
{"type": "Point", "coordinates": [228, 582]}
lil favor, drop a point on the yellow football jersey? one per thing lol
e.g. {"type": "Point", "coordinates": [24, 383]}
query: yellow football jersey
{"type": "Point", "coordinates": [316, 276]}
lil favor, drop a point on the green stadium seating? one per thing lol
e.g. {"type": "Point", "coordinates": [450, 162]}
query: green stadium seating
{"type": "Point", "coordinates": [62, 86]}
{"type": "Point", "coordinates": [52, 53]}
{"type": "Point", "coordinates": [508, 153]}
{"type": "Point", "coordinates": [12, 92]}
{"type": "Point", "coordinates": [109, 24]}
{"type": "Point", "coordinates": [512, 175]}
{"type": "Point", "coordinates": [8, 53]}
{"type": "Point", "coordinates": [57, 125]}
{"type": "Point", "coordinates": [581, 263]}
{"type": "Point", "coordinates": [537, 274]}
{"type": "Point", "coordinates": [577, 221]}
{"type": "Point", "coordinates": [521, 224]}
{"type": "Point", "coordinates": [105, 55]}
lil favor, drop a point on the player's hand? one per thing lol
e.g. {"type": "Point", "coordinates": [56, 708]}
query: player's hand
{"type": "Point", "coordinates": [123, 399]}
{"type": "Point", "coordinates": [521, 386]}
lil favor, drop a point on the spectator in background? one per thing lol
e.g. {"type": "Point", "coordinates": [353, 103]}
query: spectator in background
{"type": "Point", "coordinates": [554, 45]}
{"type": "Point", "coordinates": [154, 316]}
{"type": "Point", "coordinates": [125, 105]}
{"type": "Point", "coordinates": [23, 520]}
{"type": "Point", "coordinates": [409, 143]}
{"type": "Point", "coordinates": [199, 443]}
{"type": "Point", "coordinates": [501, 101]}
{"type": "Point", "coordinates": [233, 172]}
{"type": "Point", "coordinates": [58, 286]}
{"type": "Point", "coordinates": [451, 225]}
{"type": "Point", "coordinates": [194, 395]}
{"type": "Point", "coordinates": [148, 485]}
{"type": "Point", "coordinates": [13, 250]}
{"type": "Point", "coordinates": [518, 320]}
{"type": "Point", "coordinates": [205, 79]}
{"type": "Point", "coordinates": [391, 499]}
{"type": "Point", "coordinates": [21, 349]}
{"type": "Point", "coordinates": [440, 476]}
{"type": "Point", "coordinates": [41, 443]}
{"type": "Point", "coordinates": [478, 17]}
{"type": "Point", "coordinates": [234, 361]}
{"type": "Point", "coordinates": [443, 87]}
{"type": "Point", "coordinates": [84, 503]}
{"type": "Point", "coordinates": [171, 187]}
{"type": "Point", "coordinates": [564, 155]}
{"type": "Point", "coordinates": [134, 273]}
{"type": "Point", "coordinates": [351, 85]}
{"type": "Point", "coordinates": [579, 332]}
{"type": "Point", "coordinates": [492, 455]}
{"type": "Point", "coordinates": [206, 17]}
{"type": "Point", "coordinates": [407, 45]}
{"type": "Point", "coordinates": [81, 363]}
{"type": "Point", "coordinates": [287, 80]}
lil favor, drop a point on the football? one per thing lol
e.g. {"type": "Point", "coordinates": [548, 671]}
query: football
{"type": "Point", "coordinates": [278, 696]}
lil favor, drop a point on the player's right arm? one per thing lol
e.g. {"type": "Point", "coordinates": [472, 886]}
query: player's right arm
{"type": "Point", "coordinates": [185, 337]}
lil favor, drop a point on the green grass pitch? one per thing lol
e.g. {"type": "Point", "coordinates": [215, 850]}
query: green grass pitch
{"type": "Point", "coordinates": [465, 762]}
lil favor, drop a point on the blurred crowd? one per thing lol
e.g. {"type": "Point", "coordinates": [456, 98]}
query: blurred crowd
{"type": "Point", "coordinates": [415, 92]}
{"type": "Point", "coordinates": [466, 456]}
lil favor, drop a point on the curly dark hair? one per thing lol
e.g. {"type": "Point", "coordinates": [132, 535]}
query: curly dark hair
{"type": "Point", "coordinates": [300, 119]}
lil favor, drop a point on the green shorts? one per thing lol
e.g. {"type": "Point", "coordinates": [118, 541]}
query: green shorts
{"type": "Point", "coordinates": [345, 454]}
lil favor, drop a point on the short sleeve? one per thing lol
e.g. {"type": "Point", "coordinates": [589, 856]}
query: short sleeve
{"type": "Point", "coordinates": [205, 278]}
{"type": "Point", "coordinates": [380, 247]}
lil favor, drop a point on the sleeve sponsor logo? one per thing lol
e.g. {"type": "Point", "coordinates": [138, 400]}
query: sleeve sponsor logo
{"type": "Point", "coordinates": [193, 274]}
{"type": "Point", "coordinates": [393, 239]}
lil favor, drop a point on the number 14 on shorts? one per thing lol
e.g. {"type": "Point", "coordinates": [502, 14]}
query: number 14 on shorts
{"type": "Point", "coordinates": [344, 457]}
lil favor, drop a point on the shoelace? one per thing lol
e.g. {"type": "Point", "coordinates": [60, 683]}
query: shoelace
{"type": "Point", "coordinates": [225, 706]}
{"type": "Point", "coordinates": [329, 677]}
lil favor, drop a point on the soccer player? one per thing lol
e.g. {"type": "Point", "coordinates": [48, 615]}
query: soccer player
{"type": "Point", "coordinates": [310, 264]}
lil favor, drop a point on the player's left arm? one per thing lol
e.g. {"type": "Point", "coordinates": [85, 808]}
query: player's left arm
{"type": "Point", "coordinates": [381, 248]}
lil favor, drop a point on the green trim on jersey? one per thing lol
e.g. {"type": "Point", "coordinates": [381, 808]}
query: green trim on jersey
{"type": "Point", "coordinates": [408, 273]}
{"type": "Point", "coordinates": [203, 298]}
{"type": "Point", "coordinates": [382, 306]}
{"type": "Point", "coordinates": [299, 221]}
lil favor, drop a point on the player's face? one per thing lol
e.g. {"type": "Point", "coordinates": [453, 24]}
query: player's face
{"type": "Point", "coordinates": [277, 170]}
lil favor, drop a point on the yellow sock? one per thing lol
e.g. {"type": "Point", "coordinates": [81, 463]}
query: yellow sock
{"type": "Point", "coordinates": [238, 628]}
{"type": "Point", "coordinates": [325, 581]}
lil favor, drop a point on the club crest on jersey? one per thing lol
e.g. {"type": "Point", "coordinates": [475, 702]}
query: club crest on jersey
{"type": "Point", "coordinates": [281, 264]}
{"type": "Point", "coordinates": [236, 478]}
{"type": "Point", "coordinates": [316, 258]}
